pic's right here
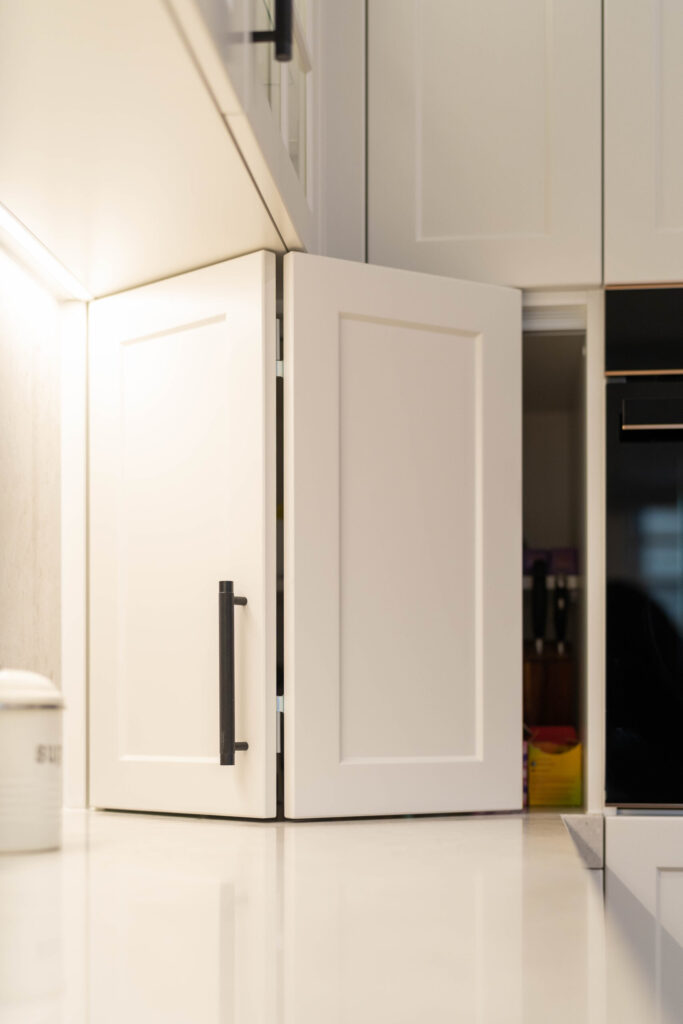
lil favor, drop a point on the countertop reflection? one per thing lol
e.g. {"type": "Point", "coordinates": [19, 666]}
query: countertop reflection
{"type": "Point", "coordinates": [475, 919]}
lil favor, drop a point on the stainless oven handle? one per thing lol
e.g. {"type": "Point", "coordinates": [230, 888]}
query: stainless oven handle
{"type": "Point", "coordinates": [652, 426]}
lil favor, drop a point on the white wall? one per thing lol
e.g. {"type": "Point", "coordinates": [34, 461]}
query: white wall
{"type": "Point", "coordinates": [29, 473]}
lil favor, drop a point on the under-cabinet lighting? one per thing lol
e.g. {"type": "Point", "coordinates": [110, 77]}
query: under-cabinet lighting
{"type": "Point", "coordinates": [39, 258]}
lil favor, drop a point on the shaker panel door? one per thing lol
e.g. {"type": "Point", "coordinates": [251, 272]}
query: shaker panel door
{"type": "Point", "coordinates": [402, 526]}
{"type": "Point", "coordinates": [182, 496]}
{"type": "Point", "coordinates": [643, 141]}
{"type": "Point", "coordinates": [484, 139]}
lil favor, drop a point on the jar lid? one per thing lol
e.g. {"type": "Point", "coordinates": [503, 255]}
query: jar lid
{"type": "Point", "coordinates": [28, 689]}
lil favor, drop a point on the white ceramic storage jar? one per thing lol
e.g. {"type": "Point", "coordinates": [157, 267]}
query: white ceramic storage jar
{"type": "Point", "coordinates": [30, 762]}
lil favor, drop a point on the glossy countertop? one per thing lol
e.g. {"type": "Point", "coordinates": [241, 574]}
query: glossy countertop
{"type": "Point", "coordinates": [186, 921]}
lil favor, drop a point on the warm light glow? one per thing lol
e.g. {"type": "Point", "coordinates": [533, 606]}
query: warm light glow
{"type": "Point", "coordinates": [40, 258]}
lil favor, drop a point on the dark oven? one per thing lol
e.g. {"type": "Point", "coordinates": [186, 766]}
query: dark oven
{"type": "Point", "coordinates": [644, 723]}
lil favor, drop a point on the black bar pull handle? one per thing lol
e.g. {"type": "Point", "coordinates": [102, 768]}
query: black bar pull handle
{"type": "Point", "coordinates": [226, 668]}
{"type": "Point", "coordinates": [282, 35]}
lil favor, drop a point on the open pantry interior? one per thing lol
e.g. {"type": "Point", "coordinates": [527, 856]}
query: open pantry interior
{"type": "Point", "coordinates": [554, 549]}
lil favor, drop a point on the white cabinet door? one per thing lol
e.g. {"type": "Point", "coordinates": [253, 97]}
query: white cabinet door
{"type": "Point", "coordinates": [484, 139]}
{"type": "Point", "coordinates": [643, 141]}
{"type": "Point", "coordinates": [182, 495]}
{"type": "Point", "coordinates": [403, 534]}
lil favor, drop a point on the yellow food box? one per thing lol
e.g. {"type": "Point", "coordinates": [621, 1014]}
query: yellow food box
{"type": "Point", "coordinates": [554, 774]}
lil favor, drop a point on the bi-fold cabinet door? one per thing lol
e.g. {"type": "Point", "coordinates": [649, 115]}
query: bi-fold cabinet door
{"type": "Point", "coordinates": [182, 498]}
{"type": "Point", "coordinates": [402, 473]}
{"type": "Point", "coordinates": [402, 530]}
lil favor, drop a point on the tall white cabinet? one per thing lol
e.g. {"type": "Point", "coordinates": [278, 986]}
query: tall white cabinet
{"type": "Point", "coordinates": [643, 141]}
{"type": "Point", "coordinates": [484, 139]}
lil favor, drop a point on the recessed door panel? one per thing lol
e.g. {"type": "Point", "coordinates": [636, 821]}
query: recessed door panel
{"type": "Point", "coordinates": [400, 548]}
{"type": "Point", "coordinates": [484, 139]}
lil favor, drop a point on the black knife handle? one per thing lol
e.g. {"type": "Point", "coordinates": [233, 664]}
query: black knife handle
{"type": "Point", "coordinates": [561, 611]}
{"type": "Point", "coordinates": [539, 601]}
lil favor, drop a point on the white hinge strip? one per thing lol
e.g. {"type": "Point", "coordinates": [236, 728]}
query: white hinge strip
{"type": "Point", "coordinates": [278, 348]}
{"type": "Point", "coordinates": [554, 318]}
{"type": "Point", "coordinates": [280, 710]}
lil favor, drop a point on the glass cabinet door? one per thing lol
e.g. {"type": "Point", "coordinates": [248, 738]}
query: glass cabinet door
{"type": "Point", "coordinates": [285, 86]}
{"type": "Point", "coordinates": [269, 104]}
{"type": "Point", "coordinates": [266, 67]}
{"type": "Point", "coordinates": [296, 110]}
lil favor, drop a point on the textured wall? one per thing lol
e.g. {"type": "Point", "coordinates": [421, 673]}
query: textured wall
{"type": "Point", "coordinates": [29, 474]}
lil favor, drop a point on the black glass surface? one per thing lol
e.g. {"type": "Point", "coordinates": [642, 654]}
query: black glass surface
{"type": "Point", "coordinates": [644, 759]}
{"type": "Point", "coordinates": [644, 329]}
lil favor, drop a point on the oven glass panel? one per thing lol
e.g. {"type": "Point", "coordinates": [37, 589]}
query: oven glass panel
{"type": "Point", "coordinates": [645, 592]}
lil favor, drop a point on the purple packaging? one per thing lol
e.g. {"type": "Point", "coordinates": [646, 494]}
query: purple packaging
{"type": "Point", "coordinates": [564, 562]}
{"type": "Point", "coordinates": [531, 555]}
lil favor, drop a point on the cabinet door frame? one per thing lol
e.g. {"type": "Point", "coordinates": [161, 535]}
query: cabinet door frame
{"type": "Point", "coordinates": [74, 548]}
{"type": "Point", "coordinates": [585, 311]}
{"type": "Point", "coordinates": [643, 234]}
{"type": "Point", "coordinates": [541, 311]}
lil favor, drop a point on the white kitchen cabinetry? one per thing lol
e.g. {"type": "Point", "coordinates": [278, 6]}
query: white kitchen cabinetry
{"type": "Point", "coordinates": [114, 155]}
{"type": "Point", "coordinates": [644, 901]}
{"type": "Point", "coordinates": [643, 141]}
{"type": "Point", "coordinates": [484, 139]}
{"type": "Point", "coordinates": [269, 107]}
{"type": "Point", "coordinates": [402, 514]}
{"type": "Point", "coordinates": [182, 496]}
{"type": "Point", "coordinates": [342, 141]}
{"type": "Point", "coordinates": [402, 526]}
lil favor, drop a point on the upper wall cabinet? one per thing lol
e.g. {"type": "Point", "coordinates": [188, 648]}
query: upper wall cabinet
{"type": "Point", "coordinates": [270, 107]}
{"type": "Point", "coordinates": [143, 138]}
{"type": "Point", "coordinates": [113, 153]}
{"type": "Point", "coordinates": [484, 150]}
{"type": "Point", "coordinates": [643, 141]}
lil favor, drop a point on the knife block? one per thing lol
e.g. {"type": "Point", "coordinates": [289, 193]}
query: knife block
{"type": "Point", "coordinates": [550, 687]}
